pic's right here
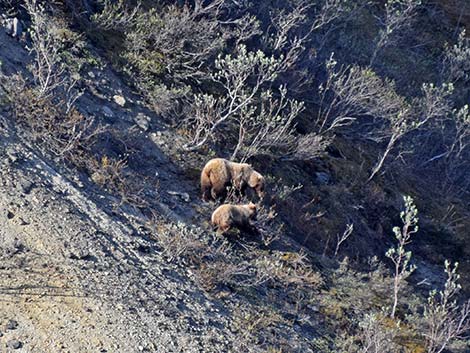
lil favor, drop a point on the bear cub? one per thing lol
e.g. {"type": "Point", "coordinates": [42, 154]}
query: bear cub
{"type": "Point", "coordinates": [228, 216]}
{"type": "Point", "coordinates": [219, 173]}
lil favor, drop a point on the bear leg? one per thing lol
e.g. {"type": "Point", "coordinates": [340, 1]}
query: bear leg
{"type": "Point", "coordinates": [218, 193]}
{"type": "Point", "coordinates": [223, 228]}
{"type": "Point", "coordinates": [250, 229]}
{"type": "Point", "coordinates": [206, 192]}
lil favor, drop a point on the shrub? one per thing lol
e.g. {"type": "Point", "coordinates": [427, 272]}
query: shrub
{"type": "Point", "coordinates": [351, 92]}
{"type": "Point", "coordinates": [398, 15]}
{"type": "Point", "coordinates": [168, 49]}
{"type": "Point", "coordinates": [48, 40]}
{"type": "Point", "coordinates": [398, 255]}
{"type": "Point", "coordinates": [376, 335]}
{"type": "Point", "coordinates": [116, 15]}
{"type": "Point", "coordinates": [64, 132]}
{"type": "Point", "coordinates": [258, 122]}
{"type": "Point", "coordinates": [456, 61]}
{"type": "Point", "coordinates": [175, 41]}
{"type": "Point", "coordinates": [445, 321]}
{"type": "Point", "coordinates": [178, 241]}
{"type": "Point", "coordinates": [289, 269]}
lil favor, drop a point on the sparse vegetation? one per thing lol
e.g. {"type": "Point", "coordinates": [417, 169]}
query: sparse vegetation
{"type": "Point", "coordinates": [344, 106]}
{"type": "Point", "coordinates": [398, 15]}
{"type": "Point", "coordinates": [60, 129]}
{"type": "Point", "coordinates": [446, 321]}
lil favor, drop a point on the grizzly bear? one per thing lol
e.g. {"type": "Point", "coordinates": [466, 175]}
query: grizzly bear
{"type": "Point", "coordinates": [219, 173]}
{"type": "Point", "coordinates": [228, 216]}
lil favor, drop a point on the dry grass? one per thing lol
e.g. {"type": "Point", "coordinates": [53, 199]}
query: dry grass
{"type": "Point", "coordinates": [70, 136]}
{"type": "Point", "coordinates": [66, 133]}
{"type": "Point", "coordinates": [112, 175]}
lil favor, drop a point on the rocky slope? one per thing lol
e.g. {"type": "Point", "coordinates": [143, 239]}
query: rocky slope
{"type": "Point", "coordinates": [78, 274]}
{"type": "Point", "coordinates": [78, 280]}
{"type": "Point", "coordinates": [82, 270]}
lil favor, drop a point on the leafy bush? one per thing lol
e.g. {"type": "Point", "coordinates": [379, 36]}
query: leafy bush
{"type": "Point", "coordinates": [456, 62]}
{"type": "Point", "coordinates": [168, 48]}
{"type": "Point", "coordinates": [258, 122]}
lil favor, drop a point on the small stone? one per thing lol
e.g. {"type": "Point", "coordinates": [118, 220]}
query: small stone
{"type": "Point", "coordinates": [17, 247]}
{"type": "Point", "coordinates": [26, 186]}
{"type": "Point", "coordinates": [91, 74]}
{"type": "Point", "coordinates": [10, 215]}
{"type": "Point", "coordinates": [315, 308]}
{"type": "Point", "coordinates": [322, 178]}
{"type": "Point", "coordinates": [107, 112]}
{"type": "Point", "coordinates": [12, 155]}
{"type": "Point", "coordinates": [11, 325]}
{"type": "Point", "coordinates": [142, 121]}
{"type": "Point", "coordinates": [14, 344]}
{"type": "Point", "coordinates": [120, 100]}
{"type": "Point", "coordinates": [183, 195]}
{"type": "Point", "coordinates": [79, 254]}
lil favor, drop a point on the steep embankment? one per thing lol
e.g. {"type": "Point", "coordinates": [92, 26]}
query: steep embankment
{"type": "Point", "coordinates": [74, 278]}
{"type": "Point", "coordinates": [82, 270]}
{"type": "Point", "coordinates": [78, 274]}
{"type": "Point", "coordinates": [77, 280]}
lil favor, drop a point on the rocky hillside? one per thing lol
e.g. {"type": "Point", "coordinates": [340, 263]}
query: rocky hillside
{"type": "Point", "coordinates": [356, 115]}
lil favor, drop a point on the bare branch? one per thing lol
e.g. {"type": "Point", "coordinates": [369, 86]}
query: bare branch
{"type": "Point", "coordinates": [341, 239]}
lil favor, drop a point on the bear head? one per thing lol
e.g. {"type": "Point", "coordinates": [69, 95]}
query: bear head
{"type": "Point", "coordinates": [253, 209]}
{"type": "Point", "coordinates": [256, 181]}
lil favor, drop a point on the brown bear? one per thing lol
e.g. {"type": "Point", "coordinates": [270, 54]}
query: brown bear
{"type": "Point", "coordinates": [219, 173]}
{"type": "Point", "coordinates": [228, 216]}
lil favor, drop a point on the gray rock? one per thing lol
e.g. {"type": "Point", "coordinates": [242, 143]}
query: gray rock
{"type": "Point", "coordinates": [157, 138]}
{"type": "Point", "coordinates": [322, 178]}
{"type": "Point", "coordinates": [13, 27]}
{"type": "Point", "coordinates": [107, 111]}
{"type": "Point", "coordinates": [76, 253]}
{"type": "Point", "coordinates": [120, 100]}
{"type": "Point", "coordinates": [314, 308]}
{"type": "Point", "coordinates": [11, 325]}
{"type": "Point", "coordinates": [12, 155]}
{"type": "Point", "coordinates": [183, 195]}
{"type": "Point", "coordinates": [26, 186]}
{"type": "Point", "coordinates": [14, 344]}
{"type": "Point", "coordinates": [142, 121]}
